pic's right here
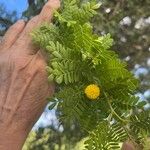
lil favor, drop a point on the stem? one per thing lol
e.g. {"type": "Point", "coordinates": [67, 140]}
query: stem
{"type": "Point", "coordinates": [113, 112]}
{"type": "Point", "coordinates": [122, 120]}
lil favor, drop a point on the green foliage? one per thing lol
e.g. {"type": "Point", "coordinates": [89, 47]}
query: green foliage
{"type": "Point", "coordinates": [140, 126]}
{"type": "Point", "coordinates": [126, 21]}
{"type": "Point", "coordinates": [47, 139]}
{"type": "Point", "coordinates": [51, 139]}
{"type": "Point", "coordinates": [78, 57]}
{"type": "Point", "coordinates": [106, 136]}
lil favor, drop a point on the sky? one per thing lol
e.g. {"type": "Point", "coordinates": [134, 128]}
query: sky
{"type": "Point", "coordinates": [17, 5]}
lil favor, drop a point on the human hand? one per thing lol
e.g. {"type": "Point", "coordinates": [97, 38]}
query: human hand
{"type": "Point", "coordinates": [129, 145]}
{"type": "Point", "coordinates": [23, 80]}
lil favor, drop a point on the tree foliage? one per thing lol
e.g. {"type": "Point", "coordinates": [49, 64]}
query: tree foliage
{"type": "Point", "coordinates": [50, 138]}
{"type": "Point", "coordinates": [6, 19]}
{"type": "Point", "coordinates": [34, 8]}
{"type": "Point", "coordinates": [128, 22]}
{"type": "Point", "coordinates": [77, 58]}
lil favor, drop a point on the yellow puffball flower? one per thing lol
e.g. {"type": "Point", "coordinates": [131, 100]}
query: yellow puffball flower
{"type": "Point", "coordinates": [92, 91]}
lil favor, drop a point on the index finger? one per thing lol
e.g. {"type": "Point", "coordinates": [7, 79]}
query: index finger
{"type": "Point", "coordinates": [45, 16]}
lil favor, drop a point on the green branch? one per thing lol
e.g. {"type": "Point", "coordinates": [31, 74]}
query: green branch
{"type": "Point", "coordinates": [114, 112]}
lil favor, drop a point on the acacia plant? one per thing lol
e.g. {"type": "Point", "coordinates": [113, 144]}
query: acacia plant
{"type": "Point", "coordinates": [93, 85]}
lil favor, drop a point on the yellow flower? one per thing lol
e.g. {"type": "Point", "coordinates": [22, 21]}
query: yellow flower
{"type": "Point", "coordinates": [92, 91]}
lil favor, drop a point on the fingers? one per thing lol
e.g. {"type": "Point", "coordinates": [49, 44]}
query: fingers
{"type": "Point", "coordinates": [45, 16]}
{"type": "Point", "coordinates": [127, 146]}
{"type": "Point", "coordinates": [25, 41]}
{"type": "Point", "coordinates": [12, 34]}
{"type": "Point", "coordinates": [47, 11]}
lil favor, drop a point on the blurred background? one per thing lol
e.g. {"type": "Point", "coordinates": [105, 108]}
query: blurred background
{"type": "Point", "coordinates": [128, 21]}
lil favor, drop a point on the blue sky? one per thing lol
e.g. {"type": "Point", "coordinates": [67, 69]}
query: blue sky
{"type": "Point", "coordinates": [17, 5]}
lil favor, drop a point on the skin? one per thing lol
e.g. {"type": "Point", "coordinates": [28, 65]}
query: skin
{"type": "Point", "coordinates": [128, 146]}
{"type": "Point", "coordinates": [23, 81]}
